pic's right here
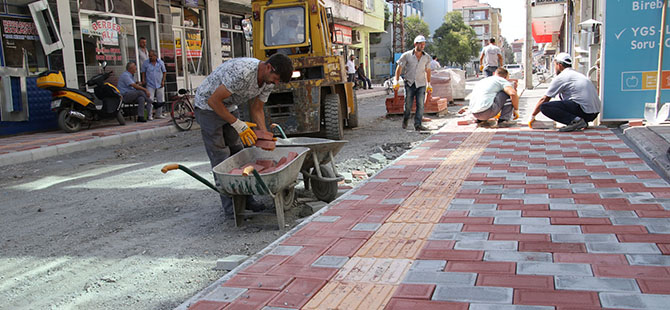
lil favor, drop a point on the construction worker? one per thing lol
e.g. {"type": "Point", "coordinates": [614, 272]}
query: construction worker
{"type": "Point", "coordinates": [414, 65]}
{"type": "Point", "coordinates": [234, 83]}
{"type": "Point", "coordinates": [490, 58]}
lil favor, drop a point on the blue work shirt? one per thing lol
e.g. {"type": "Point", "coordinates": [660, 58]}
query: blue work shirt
{"type": "Point", "coordinates": [153, 72]}
{"type": "Point", "coordinates": [124, 82]}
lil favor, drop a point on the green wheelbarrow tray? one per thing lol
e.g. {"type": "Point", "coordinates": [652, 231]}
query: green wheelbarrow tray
{"type": "Point", "coordinates": [238, 187]}
{"type": "Point", "coordinates": [324, 177]}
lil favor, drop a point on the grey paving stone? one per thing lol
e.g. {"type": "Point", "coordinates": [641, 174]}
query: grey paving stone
{"type": "Point", "coordinates": [634, 301]}
{"type": "Point", "coordinates": [553, 269]}
{"type": "Point", "coordinates": [277, 308]}
{"type": "Point", "coordinates": [573, 206]}
{"type": "Point", "coordinates": [411, 184]}
{"type": "Point", "coordinates": [641, 221]}
{"type": "Point", "coordinates": [367, 226]}
{"type": "Point", "coordinates": [330, 261]}
{"type": "Point", "coordinates": [442, 278]}
{"type": "Point", "coordinates": [462, 201]}
{"type": "Point", "coordinates": [428, 265]}
{"type": "Point", "coordinates": [637, 195]}
{"type": "Point", "coordinates": [525, 196]}
{"type": "Point", "coordinates": [326, 219]}
{"type": "Point", "coordinates": [507, 307]}
{"type": "Point", "coordinates": [595, 284]}
{"type": "Point", "coordinates": [230, 262]}
{"type": "Point", "coordinates": [606, 213]}
{"type": "Point", "coordinates": [495, 213]}
{"type": "Point", "coordinates": [448, 227]}
{"type": "Point", "coordinates": [378, 180]}
{"type": "Point", "coordinates": [510, 256]}
{"type": "Point", "coordinates": [396, 167]}
{"type": "Point", "coordinates": [623, 248]}
{"type": "Point", "coordinates": [472, 206]}
{"type": "Point", "coordinates": [596, 190]}
{"type": "Point", "coordinates": [648, 259]}
{"type": "Point", "coordinates": [355, 197]}
{"type": "Point", "coordinates": [571, 186]}
{"type": "Point", "coordinates": [285, 250]}
{"type": "Point", "coordinates": [444, 235]}
{"type": "Point", "coordinates": [521, 221]}
{"type": "Point", "coordinates": [658, 229]}
{"type": "Point", "coordinates": [500, 295]}
{"type": "Point", "coordinates": [225, 294]}
{"type": "Point", "coordinates": [394, 201]}
{"type": "Point", "coordinates": [486, 245]}
{"type": "Point", "coordinates": [551, 229]}
{"type": "Point", "coordinates": [581, 238]}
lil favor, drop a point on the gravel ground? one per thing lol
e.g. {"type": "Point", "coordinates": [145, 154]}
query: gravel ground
{"type": "Point", "coordinates": [105, 229]}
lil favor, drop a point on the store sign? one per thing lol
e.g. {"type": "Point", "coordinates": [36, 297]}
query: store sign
{"type": "Point", "coordinates": [342, 34]}
{"type": "Point", "coordinates": [19, 30]}
{"type": "Point", "coordinates": [191, 3]}
{"type": "Point", "coordinates": [630, 58]}
{"type": "Point", "coordinates": [108, 31]}
{"type": "Point", "coordinates": [108, 54]}
{"type": "Point", "coordinates": [193, 45]}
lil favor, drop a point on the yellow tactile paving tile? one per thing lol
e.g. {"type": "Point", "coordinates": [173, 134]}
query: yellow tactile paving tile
{"type": "Point", "coordinates": [345, 296]}
{"type": "Point", "coordinates": [404, 231]}
{"type": "Point", "coordinates": [391, 248]}
{"type": "Point", "coordinates": [419, 202]}
{"type": "Point", "coordinates": [373, 270]}
{"type": "Point", "coordinates": [416, 216]}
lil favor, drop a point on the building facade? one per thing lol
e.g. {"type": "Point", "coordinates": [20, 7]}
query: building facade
{"type": "Point", "coordinates": [483, 18]}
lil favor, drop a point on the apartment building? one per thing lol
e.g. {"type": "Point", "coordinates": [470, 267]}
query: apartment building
{"type": "Point", "coordinates": [483, 18]}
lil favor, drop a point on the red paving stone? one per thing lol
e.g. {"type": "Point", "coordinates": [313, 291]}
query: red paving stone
{"type": "Point", "coordinates": [404, 304]}
{"type": "Point", "coordinates": [614, 229]}
{"type": "Point", "coordinates": [451, 255]}
{"type": "Point", "coordinates": [208, 305]}
{"type": "Point", "coordinates": [414, 291]}
{"type": "Point", "coordinates": [262, 282]}
{"type": "Point", "coordinates": [622, 271]}
{"type": "Point", "coordinates": [556, 298]}
{"type": "Point", "coordinates": [252, 299]}
{"type": "Point", "coordinates": [297, 293]}
{"type": "Point", "coordinates": [552, 247]}
{"type": "Point", "coordinates": [481, 267]}
{"type": "Point", "coordinates": [588, 258]}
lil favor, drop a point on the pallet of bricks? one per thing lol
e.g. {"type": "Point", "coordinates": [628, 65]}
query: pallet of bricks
{"type": "Point", "coordinates": [435, 104]}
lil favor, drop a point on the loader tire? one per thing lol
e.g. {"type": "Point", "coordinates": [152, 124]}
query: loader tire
{"type": "Point", "coordinates": [334, 122]}
{"type": "Point", "coordinates": [352, 120]}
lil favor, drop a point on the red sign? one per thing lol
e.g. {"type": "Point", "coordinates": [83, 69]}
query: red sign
{"type": "Point", "coordinates": [342, 34]}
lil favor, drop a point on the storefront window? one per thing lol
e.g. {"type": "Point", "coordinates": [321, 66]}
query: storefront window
{"type": "Point", "coordinates": [193, 18]}
{"type": "Point", "coordinates": [19, 34]}
{"type": "Point", "coordinates": [225, 22]}
{"type": "Point", "coordinates": [120, 7]}
{"type": "Point", "coordinates": [226, 45]}
{"type": "Point", "coordinates": [176, 16]}
{"type": "Point", "coordinates": [19, 7]}
{"type": "Point", "coordinates": [233, 43]}
{"type": "Point", "coordinates": [284, 26]}
{"type": "Point", "coordinates": [195, 58]}
{"type": "Point", "coordinates": [94, 5]}
{"type": "Point", "coordinates": [109, 39]}
{"type": "Point", "coordinates": [144, 8]}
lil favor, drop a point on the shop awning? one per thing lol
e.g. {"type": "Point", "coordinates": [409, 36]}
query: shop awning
{"type": "Point", "coordinates": [547, 20]}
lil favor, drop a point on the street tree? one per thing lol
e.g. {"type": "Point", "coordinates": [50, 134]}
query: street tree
{"type": "Point", "coordinates": [415, 26]}
{"type": "Point", "coordinates": [454, 42]}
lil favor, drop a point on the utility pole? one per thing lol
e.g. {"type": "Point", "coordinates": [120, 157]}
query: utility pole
{"type": "Point", "coordinates": [528, 48]}
{"type": "Point", "coordinates": [398, 26]}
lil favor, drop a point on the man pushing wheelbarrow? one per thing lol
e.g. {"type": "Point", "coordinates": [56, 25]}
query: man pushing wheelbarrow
{"type": "Point", "coordinates": [231, 85]}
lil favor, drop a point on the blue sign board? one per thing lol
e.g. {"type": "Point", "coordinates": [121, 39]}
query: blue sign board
{"type": "Point", "coordinates": [630, 58]}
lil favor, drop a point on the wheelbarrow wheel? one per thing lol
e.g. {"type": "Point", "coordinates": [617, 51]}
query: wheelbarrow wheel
{"type": "Point", "coordinates": [324, 191]}
{"type": "Point", "coordinates": [288, 197]}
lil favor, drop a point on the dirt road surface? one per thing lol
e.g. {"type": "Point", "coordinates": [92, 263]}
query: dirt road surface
{"type": "Point", "coordinates": [105, 229]}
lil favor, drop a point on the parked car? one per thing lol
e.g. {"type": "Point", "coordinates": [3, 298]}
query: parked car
{"type": "Point", "coordinates": [515, 71]}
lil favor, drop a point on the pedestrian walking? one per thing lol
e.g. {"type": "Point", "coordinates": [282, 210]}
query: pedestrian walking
{"type": "Point", "coordinates": [153, 75]}
{"type": "Point", "coordinates": [414, 65]}
{"type": "Point", "coordinates": [493, 95]}
{"type": "Point", "coordinates": [233, 84]}
{"type": "Point", "coordinates": [142, 49]}
{"type": "Point", "coordinates": [490, 58]}
{"type": "Point", "coordinates": [579, 102]}
{"type": "Point", "coordinates": [351, 69]}
{"type": "Point", "coordinates": [434, 65]}
{"type": "Point", "coordinates": [134, 92]}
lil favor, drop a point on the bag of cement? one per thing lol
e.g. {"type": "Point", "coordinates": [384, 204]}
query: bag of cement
{"type": "Point", "coordinates": [457, 83]}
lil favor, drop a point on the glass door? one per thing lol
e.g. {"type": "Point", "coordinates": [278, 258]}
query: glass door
{"type": "Point", "coordinates": [179, 52]}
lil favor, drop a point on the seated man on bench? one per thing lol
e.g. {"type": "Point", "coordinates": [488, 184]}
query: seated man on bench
{"type": "Point", "coordinates": [133, 92]}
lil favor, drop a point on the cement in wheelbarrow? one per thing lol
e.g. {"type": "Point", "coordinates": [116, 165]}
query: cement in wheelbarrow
{"type": "Point", "coordinates": [273, 184]}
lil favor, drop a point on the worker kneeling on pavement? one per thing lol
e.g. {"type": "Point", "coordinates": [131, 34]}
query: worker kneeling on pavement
{"type": "Point", "coordinates": [493, 95]}
{"type": "Point", "coordinates": [235, 83]}
{"type": "Point", "coordinates": [579, 102]}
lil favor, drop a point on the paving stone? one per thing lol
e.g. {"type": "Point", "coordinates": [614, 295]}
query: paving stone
{"type": "Point", "coordinates": [330, 261]}
{"type": "Point", "coordinates": [448, 227]}
{"type": "Point", "coordinates": [377, 180]}
{"type": "Point", "coordinates": [658, 229]}
{"type": "Point", "coordinates": [277, 308]}
{"type": "Point", "coordinates": [495, 213]}
{"type": "Point", "coordinates": [502, 191]}
{"type": "Point", "coordinates": [634, 301]}
{"type": "Point", "coordinates": [428, 265]}
{"type": "Point", "coordinates": [550, 229]}
{"type": "Point", "coordinates": [366, 226]}
{"type": "Point", "coordinates": [326, 219]}
{"type": "Point", "coordinates": [582, 190]}
{"type": "Point", "coordinates": [624, 248]}
{"type": "Point", "coordinates": [509, 256]}
{"type": "Point", "coordinates": [581, 283]}
{"type": "Point", "coordinates": [486, 245]}
{"type": "Point", "coordinates": [316, 205]}
{"type": "Point", "coordinates": [474, 306]}
{"type": "Point", "coordinates": [571, 186]}
{"type": "Point", "coordinates": [355, 197]}
{"type": "Point", "coordinates": [230, 262]}
{"type": "Point", "coordinates": [521, 221]}
{"type": "Point", "coordinates": [443, 235]}
{"type": "Point", "coordinates": [648, 259]}
{"type": "Point", "coordinates": [225, 294]}
{"type": "Point", "coordinates": [606, 213]}
{"type": "Point", "coordinates": [633, 196]}
{"type": "Point", "coordinates": [573, 206]}
{"type": "Point", "coordinates": [441, 278]}
{"type": "Point", "coordinates": [394, 201]}
{"type": "Point", "coordinates": [285, 250]}
{"type": "Point", "coordinates": [581, 238]}
{"type": "Point", "coordinates": [500, 295]}
{"type": "Point", "coordinates": [462, 201]}
{"type": "Point", "coordinates": [472, 206]}
{"type": "Point", "coordinates": [553, 269]}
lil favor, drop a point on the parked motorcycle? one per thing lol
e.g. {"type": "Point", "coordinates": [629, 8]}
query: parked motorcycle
{"type": "Point", "coordinates": [75, 107]}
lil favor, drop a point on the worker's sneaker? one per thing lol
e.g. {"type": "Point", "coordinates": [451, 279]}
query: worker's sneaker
{"type": "Point", "coordinates": [421, 128]}
{"type": "Point", "coordinates": [404, 123]}
{"type": "Point", "coordinates": [487, 123]}
{"type": "Point", "coordinates": [506, 123]}
{"type": "Point", "coordinates": [574, 125]}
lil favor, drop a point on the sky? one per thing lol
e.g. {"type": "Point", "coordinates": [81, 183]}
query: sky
{"type": "Point", "coordinates": [513, 17]}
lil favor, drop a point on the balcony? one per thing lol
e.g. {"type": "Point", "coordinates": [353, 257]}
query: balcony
{"type": "Point", "coordinates": [347, 12]}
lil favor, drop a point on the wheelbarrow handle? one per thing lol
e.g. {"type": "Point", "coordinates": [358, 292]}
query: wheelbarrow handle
{"type": "Point", "coordinates": [251, 170]}
{"type": "Point", "coordinates": [190, 172]}
{"type": "Point", "coordinates": [281, 131]}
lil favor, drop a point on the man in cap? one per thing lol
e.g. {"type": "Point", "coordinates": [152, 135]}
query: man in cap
{"type": "Point", "coordinates": [579, 102]}
{"type": "Point", "coordinates": [351, 69]}
{"type": "Point", "coordinates": [490, 58]}
{"type": "Point", "coordinates": [414, 65]}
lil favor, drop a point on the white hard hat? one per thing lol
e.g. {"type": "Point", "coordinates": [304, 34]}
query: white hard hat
{"type": "Point", "coordinates": [419, 39]}
{"type": "Point", "coordinates": [563, 58]}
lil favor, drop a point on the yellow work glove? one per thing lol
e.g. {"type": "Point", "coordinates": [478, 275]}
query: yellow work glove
{"type": "Point", "coordinates": [516, 114]}
{"type": "Point", "coordinates": [481, 67]}
{"type": "Point", "coordinates": [530, 123]}
{"type": "Point", "coordinates": [396, 85]}
{"type": "Point", "coordinates": [247, 135]}
{"type": "Point", "coordinates": [429, 88]}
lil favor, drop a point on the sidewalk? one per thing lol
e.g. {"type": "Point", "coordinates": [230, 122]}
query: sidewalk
{"type": "Point", "coordinates": [476, 218]}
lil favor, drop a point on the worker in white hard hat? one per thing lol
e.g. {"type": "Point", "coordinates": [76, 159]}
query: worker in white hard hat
{"type": "Point", "coordinates": [414, 66]}
{"type": "Point", "coordinates": [579, 102]}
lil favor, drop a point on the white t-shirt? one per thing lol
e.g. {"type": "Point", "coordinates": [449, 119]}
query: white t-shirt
{"type": "Point", "coordinates": [240, 76]}
{"type": "Point", "coordinates": [434, 65]}
{"type": "Point", "coordinates": [572, 85]}
{"type": "Point", "coordinates": [485, 92]}
{"type": "Point", "coordinates": [491, 53]}
{"type": "Point", "coordinates": [351, 67]}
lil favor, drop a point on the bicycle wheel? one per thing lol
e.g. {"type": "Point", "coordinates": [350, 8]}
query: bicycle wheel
{"type": "Point", "coordinates": [182, 115]}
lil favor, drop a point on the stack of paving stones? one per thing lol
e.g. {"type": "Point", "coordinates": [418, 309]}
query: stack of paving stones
{"type": "Point", "coordinates": [481, 219]}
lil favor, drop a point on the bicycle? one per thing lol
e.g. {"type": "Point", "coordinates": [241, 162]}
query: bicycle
{"type": "Point", "coordinates": [182, 111]}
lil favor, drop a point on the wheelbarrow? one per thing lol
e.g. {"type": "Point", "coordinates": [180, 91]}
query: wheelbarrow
{"type": "Point", "coordinates": [275, 184]}
{"type": "Point", "coordinates": [318, 170]}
